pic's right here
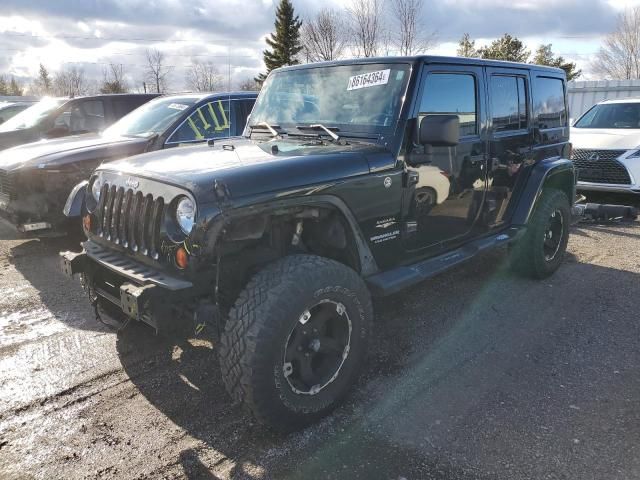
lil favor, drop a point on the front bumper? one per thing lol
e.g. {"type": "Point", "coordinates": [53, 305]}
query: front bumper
{"type": "Point", "coordinates": [607, 187]}
{"type": "Point", "coordinates": [140, 292]}
{"type": "Point", "coordinates": [31, 201]}
{"type": "Point", "coordinates": [601, 169]}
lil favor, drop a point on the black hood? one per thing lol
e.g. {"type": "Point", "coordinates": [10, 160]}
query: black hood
{"type": "Point", "coordinates": [67, 150]}
{"type": "Point", "coordinates": [19, 137]}
{"type": "Point", "coordinates": [250, 168]}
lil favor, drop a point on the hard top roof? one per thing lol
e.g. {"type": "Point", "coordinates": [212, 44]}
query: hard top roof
{"type": "Point", "coordinates": [432, 59]}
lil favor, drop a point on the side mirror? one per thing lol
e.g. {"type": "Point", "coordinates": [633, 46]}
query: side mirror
{"type": "Point", "coordinates": [440, 131]}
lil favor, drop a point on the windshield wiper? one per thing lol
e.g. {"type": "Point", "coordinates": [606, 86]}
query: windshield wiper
{"type": "Point", "coordinates": [328, 130]}
{"type": "Point", "coordinates": [271, 128]}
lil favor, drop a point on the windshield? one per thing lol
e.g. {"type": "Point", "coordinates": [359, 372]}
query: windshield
{"type": "Point", "coordinates": [611, 115]}
{"type": "Point", "coordinates": [152, 117]}
{"type": "Point", "coordinates": [352, 98]}
{"type": "Point", "coordinates": [32, 115]}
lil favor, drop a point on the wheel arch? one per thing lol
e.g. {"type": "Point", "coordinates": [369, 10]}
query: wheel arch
{"type": "Point", "coordinates": [254, 216]}
{"type": "Point", "coordinates": [557, 173]}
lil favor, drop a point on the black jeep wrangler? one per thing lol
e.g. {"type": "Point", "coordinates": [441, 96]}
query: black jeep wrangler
{"type": "Point", "coordinates": [354, 178]}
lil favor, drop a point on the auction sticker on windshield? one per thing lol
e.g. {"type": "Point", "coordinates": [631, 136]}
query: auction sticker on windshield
{"type": "Point", "coordinates": [371, 79]}
{"type": "Point", "coordinates": [178, 106]}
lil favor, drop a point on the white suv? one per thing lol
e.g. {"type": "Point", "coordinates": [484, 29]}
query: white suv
{"type": "Point", "coordinates": [606, 147]}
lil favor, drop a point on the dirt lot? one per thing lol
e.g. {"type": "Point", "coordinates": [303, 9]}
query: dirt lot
{"type": "Point", "coordinates": [475, 374]}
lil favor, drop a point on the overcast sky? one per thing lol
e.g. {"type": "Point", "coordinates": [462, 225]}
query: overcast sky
{"type": "Point", "coordinates": [92, 33]}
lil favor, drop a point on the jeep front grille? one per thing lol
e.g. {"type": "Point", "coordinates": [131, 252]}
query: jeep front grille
{"type": "Point", "coordinates": [6, 186]}
{"type": "Point", "coordinates": [130, 219]}
{"type": "Point", "coordinates": [600, 166]}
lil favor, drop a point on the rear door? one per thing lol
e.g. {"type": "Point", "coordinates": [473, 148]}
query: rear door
{"type": "Point", "coordinates": [510, 139]}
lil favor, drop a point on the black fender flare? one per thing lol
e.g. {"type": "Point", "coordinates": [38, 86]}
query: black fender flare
{"type": "Point", "coordinates": [367, 262]}
{"type": "Point", "coordinates": [553, 172]}
{"type": "Point", "coordinates": [75, 200]}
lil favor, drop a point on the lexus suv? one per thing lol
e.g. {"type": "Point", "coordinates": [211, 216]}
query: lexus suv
{"type": "Point", "coordinates": [606, 147]}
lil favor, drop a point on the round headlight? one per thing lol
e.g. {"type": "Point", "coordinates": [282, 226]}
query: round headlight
{"type": "Point", "coordinates": [96, 186]}
{"type": "Point", "coordinates": [186, 214]}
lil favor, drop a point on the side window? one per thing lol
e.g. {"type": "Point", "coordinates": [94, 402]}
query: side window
{"type": "Point", "coordinates": [82, 116]}
{"type": "Point", "coordinates": [209, 121]}
{"type": "Point", "coordinates": [549, 103]}
{"type": "Point", "coordinates": [451, 94]}
{"type": "Point", "coordinates": [63, 119]}
{"type": "Point", "coordinates": [88, 117]}
{"type": "Point", "coordinates": [508, 103]}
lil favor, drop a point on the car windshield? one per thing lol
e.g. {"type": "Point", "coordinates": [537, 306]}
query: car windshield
{"type": "Point", "coordinates": [352, 98]}
{"type": "Point", "coordinates": [152, 117]}
{"type": "Point", "coordinates": [611, 115]}
{"type": "Point", "coordinates": [32, 115]}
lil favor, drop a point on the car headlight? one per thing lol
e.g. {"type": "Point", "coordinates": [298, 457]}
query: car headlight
{"type": "Point", "coordinates": [635, 154]}
{"type": "Point", "coordinates": [96, 187]}
{"type": "Point", "coordinates": [186, 214]}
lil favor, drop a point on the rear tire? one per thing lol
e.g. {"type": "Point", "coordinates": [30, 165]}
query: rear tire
{"type": "Point", "coordinates": [540, 252]}
{"type": "Point", "coordinates": [295, 340]}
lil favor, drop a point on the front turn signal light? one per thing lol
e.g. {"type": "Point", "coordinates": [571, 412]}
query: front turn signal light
{"type": "Point", "coordinates": [182, 258]}
{"type": "Point", "coordinates": [86, 223]}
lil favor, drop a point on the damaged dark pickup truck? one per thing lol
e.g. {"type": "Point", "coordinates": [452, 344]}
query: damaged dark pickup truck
{"type": "Point", "coordinates": [36, 178]}
{"type": "Point", "coordinates": [355, 178]}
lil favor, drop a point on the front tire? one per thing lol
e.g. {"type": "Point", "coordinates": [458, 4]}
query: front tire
{"type": "Point", "coordinates": [295, 340]}
{"type": "Point", "coordinates": [540, 252]}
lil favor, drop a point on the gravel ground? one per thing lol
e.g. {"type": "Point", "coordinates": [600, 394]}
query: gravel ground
{"type": "Point", "coordinates": [475, 374]}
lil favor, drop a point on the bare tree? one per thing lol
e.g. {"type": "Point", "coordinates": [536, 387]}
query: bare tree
{"type": "Point", "coordinates": [70, 81]}
{"type": "Point", "coordinates": [156, 71]}
{"type": "Point", "coordinates": [324, 36]}
{"type": "Point", "coordinates": [410, 37]}
{"type": "Point", "coordinates": [366, 25]}
{"type": "Point", "coordinates": [203, 77]}
{"type": "Point", "coordinates": [249, 85]}
{"type": "Point", "coordinates": [113, 79]}
{"type": "Point", "coordinates": [619, 57]}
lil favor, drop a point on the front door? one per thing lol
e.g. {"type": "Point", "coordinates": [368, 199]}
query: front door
{"type": "Point", "coordinates": [449, 189]}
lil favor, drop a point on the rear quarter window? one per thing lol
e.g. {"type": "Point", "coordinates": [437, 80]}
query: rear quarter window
{"type": "Point", "coordinates": [549, 105]}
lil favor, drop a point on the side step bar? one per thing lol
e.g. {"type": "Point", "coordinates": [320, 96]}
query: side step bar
{"type": "Point", "coordinates": [393, 281]}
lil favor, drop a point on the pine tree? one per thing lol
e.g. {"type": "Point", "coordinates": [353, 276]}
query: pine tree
{"type": "Point", "coordinates": [4, 89]}
{"type": "Point", "coordinates": [506, 48]}
{"type": "Point", "coordinates": [284, 42]}
{"type": "Point", "coordinates": [467, 47]}
{"type": "Point", "coordinates": [14, 89]}
{"type": "Point", "coordinates": [44, 81]}
{"type": "Point", "coordinates": [544, 56]}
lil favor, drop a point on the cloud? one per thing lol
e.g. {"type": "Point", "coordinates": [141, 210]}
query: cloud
{"type": "Point", "coordinates": [522, 18]}
{"type": "Point", "coordinates": [91, 34]}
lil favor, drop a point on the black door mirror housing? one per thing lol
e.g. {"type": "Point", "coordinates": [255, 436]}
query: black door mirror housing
{"type": "Point", "coordinates": [439, 131]}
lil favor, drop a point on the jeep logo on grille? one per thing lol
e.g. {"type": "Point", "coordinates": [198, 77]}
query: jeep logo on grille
{"type": "Point", "coordinates": [594, 157]}
{"type": "Point", "coordinates": [132, 183]}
